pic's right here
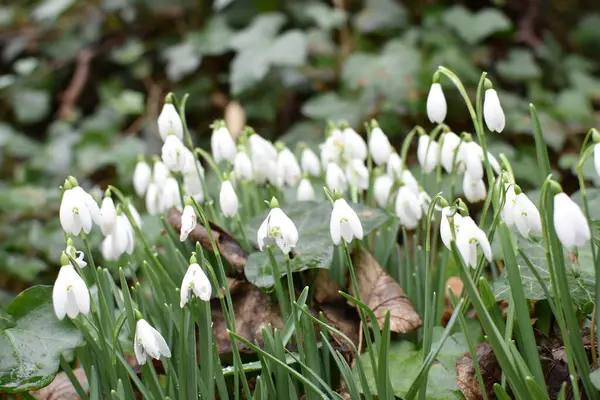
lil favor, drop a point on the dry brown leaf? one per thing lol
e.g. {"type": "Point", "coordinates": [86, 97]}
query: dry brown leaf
{"type": "Point", "coordinates": [466, 378]}
{"type": "Point", "coordinates": [381, 293]}
{"type": "Point", "coordinates": [456, 285]}
{"type": "Point", "coordinates": [228, 246]}
{"type": "Point", "coordinates": [253, 311]}
{"type": "Point", "coordinates": [61, 387]}
{"type": "Point", "coordinates": [343, 319]}
{"type": "Point", "coordinates": [326, 289]}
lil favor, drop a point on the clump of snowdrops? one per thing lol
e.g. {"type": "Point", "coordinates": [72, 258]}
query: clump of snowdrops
{"type": "Point", "coordinates": [158, 306]}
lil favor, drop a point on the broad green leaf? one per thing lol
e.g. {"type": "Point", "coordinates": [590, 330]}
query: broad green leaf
{"type": "Point", "coordinates": [182, 59]}
{"type": "Point", "coordinates": [455, 345]}
{"type": "Point", "coordinates": [475, 27]}
{"type": "Point", "coordinates": [587, 32]}
{"type": "Point", "coordinates": [128, 53]}
{"type": "Point", "coordinates": [247, 69]}
{"type": "Point", "coordinates": [574, 105]}
{"type": "Point", "coordinates": [380, 14]}
{"type": "Point", "coordinates": [128, 102]}
{"type": "Point", "coordinates": [21, 199]}
{"type": "Point", "coordinates": [31, 105]}
{"type": "Point", "coordinates": [23, 267]}
{"type": "Point", "coordinates": [325, 16]}
{"type": "Point", "coordinates": [519, 66]}
{"type": "Point", "coordinates": [214, 39]}
{"type": "Point", "coordinates": [262, 29]}
{"type": "Point", "coordinates": [289, 49]}
{"type": "Point", "coordinates": [50, 9]}
{"type": "Point", "coordinates": [29, 351]}
{"type": "Point", "coordinates": [405, 361]}
{"type": "Point", "coordinates": [315, 248]}
{"type": "Point", "coordinates": [331, 106]}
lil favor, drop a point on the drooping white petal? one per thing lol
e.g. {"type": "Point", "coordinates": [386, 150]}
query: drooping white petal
{"type": "Point", "coordinates": [394, 166]}
{"type": "Point", "coordinates": [278, 227]}
{"type": "Point", "coordinates": [160, 173]}
{"type": "Point", "coordinates": [474, 190]}
{"type": "Point", "coordinates": [335, 178]}
{"type": "Point", "coordinates": [153, 199]}
{"type": "Point", "coordinates": [288, 168]}
{"type": "Point", "coordinates": [354, 145]}
{"type": "Point", "coordinates": [195, 282]}
{"type": "Point", "coordinates": [108, 214]}
{"type": "Point", "coordinates": [570, 223]}
{"type": "Point", "coordinates": [379, 146]}
{"type": "Point", "coordinates": [142, 175]}
{"type": "Point", "coordinates": [450, 152]}
{"type": "Point", "coordinates": [175, 155]}
{"type": "Point", "coordinates": [228, 199]}
{"type": "Point", "coordinates": [242, 167]}
{"type": "Point", "coordinates": [446, 228]}
{"type": "Point", "coordinates": [70, 295]}
{"type": "Point", "coordinates": [310, 162]}
{"type": "Point", "coordinates": [357, 174]}
{"type": "Point", "coordinates": [381, 190]}
{"type": "Point", "coordinates": [436, 104]}
{"type": "Point", "coordinates": [508, 212]}
{"type": "Point", "coordinates": [408, 208]}
{"type": "Point", "coordinates": [427, 153]}
{"type": "Point", "coordinates": [169, 121]}
{"type": "Point", "coordinates": [527, 216]}
{"type": "Point", "coordinates": [344, 223]}
{"type": "Point", "coordinates": [492, 111]}
{"type": "Point", "coordinates": [222, 145]}
{"type": "Point", "coordinates": [305, 192]}
{"type": "Point", "coordinates": [169, 195]}
{"type": "Point", "coordinates": [188, 222]}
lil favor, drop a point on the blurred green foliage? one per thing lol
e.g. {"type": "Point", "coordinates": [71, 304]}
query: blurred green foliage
{"type": "Point", "coordinates": [82, 83]}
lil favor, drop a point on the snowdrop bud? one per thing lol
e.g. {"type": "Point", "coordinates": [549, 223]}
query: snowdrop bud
{"type": "Point", "coordinates": [571, 226]}
{"type": "Point", "coordinates": [288, 168]}
{"type": "Point", "coordinates": [492, 111]}
{"type": "Point", "coordinates": [333, 148]}
{"type": "Point", "coordinates": [195, 283]}
{"type": "Point", "coordinates": [446, 227]}
{"type": "Point", "coordinates": [108, 214]}
{"type": "Point", "coordinates": [474, 190]}
{"type": "Point", "coordinates": [264, 158]}
{"type": "Point", "coordinates": [221, 143]}
{"type": "Point", "coordinates": [527, 216]}
{"type": "Point", "coordinates": [188, 222]}
{"type": "Point", "coordinates": [379, 146]}
{"type": "Point", "coordinates": [306, 192]}
{"type": "Point", "coordinates": [310, 162]}
{"type": "Point", "coordinates": [242, 167]}
{"type": "Point", "coordinates": [468, 237]}
{"type": "Point", "coordinates": [354, 145]}
{"type": "Point", "coordinates": [169, 121]}
{"type": "Point", "coordinates": [394, 166]}
{"type": "Point", "coordinates": [228, 199]}
{"type": "Point", "coordinates": [176, 157]}
{"type": "Point", "coordinates": [169, 195]}
{"type": "Point", "coordinates": [141, 177]}
{"type": "Point", "coordinates": [436, 104]}
{"type": "Point", "coordinates": [160, 173]}
{"type": "Point", "coordinates": [277, 227]}
{"type": "Point", "coordinates": [451, 152]}
{"type": "Point", "coordinates": [357, 174]}
{"type": "Point", "coordinates": [344, 223]}
{"type": "Point", "coordinates": [153, 196]}
{"type": "Point", "coordinates": [72, 252]}
{"type": "Point", "coordinates": [335, 178]}
{"type": "Point", "coordinates": [427, 153]}
{"type": "Point", "coordinates": [508, 212]}
{"type": "Point", "coordinates": [70, 295]}
{"type": "Point", "coordinates": [148, 342]}
{"type": "Point", "coordinates": [381, 190]}
{"type": "Point", "coordinates": [408, 208]}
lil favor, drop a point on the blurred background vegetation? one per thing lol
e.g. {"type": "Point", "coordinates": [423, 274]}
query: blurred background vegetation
{"type": "Point", "coordinates": [82, 83]}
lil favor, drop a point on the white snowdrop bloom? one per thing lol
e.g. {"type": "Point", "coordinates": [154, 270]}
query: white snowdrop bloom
{"type": "Point", "coordinates": [492, 111]}
{"type": "Point", "coordinates": [597, 158]}
{"type": "Point", "coordinates": [142, 174]}
{"type": "Point", "coordinates": [76, 255]}
{"type": "Point", "coordinates": [344, 223]}
{"type": "Point", "coordinates": [188, 222]}
{"type": "Point", "coordinates": [408, 208]}
{"type": "Point", "coordinates": [310, 162]}
{"type": "Point", "coordinates": [446, 228]}
{"type": "Point", "coordinates": [228, 200]}
{"type": "Point", "coordinates": [494, 163]}
{"type": "Point", "coordinates": [108, 214]}
{"type": "Point", "coordinates": [153, 195]}
{"type": "Point", "coordinates": [169, 121]}
{"type": "Point", "coordinates": [160, 173]}
{"type": "Point", "coordinates": [469, 235]}
{"type": "Point", "coordinates": [195, 283]}
{"type": "Point", "coordinates": [194, 166]}
{"type": "Point", "coordinates": [472, 156]}
{"type": "Point", "coordinates": [354, 145]}
{"type": "Point", "coordinates": [379, 146]}
{"type": "Point", "coordinates": [527, 217]}
{"type": "Point", "coordinates": [451, 153]}
{"type": "Point", "coordinates": [394, 166]}
{"type": "Point", "coordinates": [333, 149]}
{"type": "Point", "coordinates": [474, 190]}
{"type": "Point", "coordinates": [288, 168]}
{"type": "Point", "coordinates": [175, 155]}
{"type": "Point", "coordinates": [149, 342]}
{"type": "Point", "coordinates": [436, 104]}
{"type": "Point", "coordinates": [192, 186]}
{"type": "Point", "coordinates": [382, 189]}
{"type": "Point", "coordinates": [242, 167]}
{"type": "Point", "coordinates": [119, 241]}
{"type": "Point", "coordinates": [70, 295]}
{"type": "Point", "coordinates": [427, 153]}
{"type": "Point", "coordinates": [571, 226]}
{"type": "Point", "coordinates": [425, 201]}
{"type": "Point", "coordinates": [90, 203]}
{"type": "Point", "coordinates": [508, 212]}
{"type": "Point", "coordinates": [280, 228]}
{"type": "Point", "coordinates": [264, 158]}
{"type": "Point", "coordinates": [335, 178]}
{"type": "Point", "coordinates": [306, 192]}
{"type": "Point", "coordinates": [357, 174]}
{"type": "Point", "coordinates": [409, 180]}
{"type": "Point", "coordinates": [169, 195]}
{"type": "Point", "coordinates": [74, 214]}
{"type": "Point", "coordinates": [222, 145]}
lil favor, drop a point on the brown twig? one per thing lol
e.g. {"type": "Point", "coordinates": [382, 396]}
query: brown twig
{"type": "Point", "coordinates": [82, 70]}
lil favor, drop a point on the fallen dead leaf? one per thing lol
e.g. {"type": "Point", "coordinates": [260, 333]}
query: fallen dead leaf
{"type": "Point", "coordinates": [228, 246]}
{"type": "Point", "coordinates": [326, 289]}
{"type": "Point", "coordinates": [344, 319]}
{"type": "Point", "coordinates": [61, 387]}
{"type": "Point", "coordinates": [381, 293]}
{"type": "Point", "coordinates": [466, 378]}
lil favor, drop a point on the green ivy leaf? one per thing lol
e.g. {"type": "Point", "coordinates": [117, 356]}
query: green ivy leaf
{"type": "Point", "coordinates": [247, 69]}
{"type": "Point", "coordinates": [29, 351]}
{"type": "Point", "coordinates": [473, 28]}
{"type": "Point", "coordinates": [331, 106]}
{"type": "Point", "coordinates": [519, 66]}
{"type": "Point", "coordinates": [262, 29]}
{"type": "Point", "coordinates": [325, 16]}
{"type": "Point", "coordinates": [30, 105]}
{"type": "Point", "coordinates": [289, 49]}
{"type": "Point", "coordinates": [574, 105]}
{"type": "Point", "coordinates": [23, 267]}
{"type": "Point", "coordinates": [379, 15]}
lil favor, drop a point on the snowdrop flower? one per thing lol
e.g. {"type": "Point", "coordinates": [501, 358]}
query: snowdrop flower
{"type": "Point", "coordinates": [469, 235]}
{"type": "Point", "coordinates": [492, 111]}
{"type": "Point", "coordinates": [475, 190]}
{"type": "Point", "coordinates": [169, 121]}
{"type": "Point", "coordinates": [70, 296]}
{"type": "Point", "coordinates": [188, 222]}
{"type": "Point", "coordinates": [527, 217]}
{"type": "Point", "coordinates": [571, 226]}
{"type": "Point", "coordinates": [306, 192]}
{"type": "Point", "coordinates": [310, 162]}
{"type": "Point", "coordinates": [72, 252]}
{"type": "Point", "coordinates": [394, 166]}
{"type": "Point", "coordinates": [78, 209]}
{"type": "Point", "coordinates": [381, 190]}
{"type": "Point", "coordinates": [508, 212]}
{"type": "Point", "coordinates": [108, 214]}
{"type": "Point", "coordinates": [153, 196]}
{"type": "Point", "coordinates": [141, 177]}
{"type": "Point", "coordinates": [228, 200]}
{"type": "Point", "coordinates": [192, 186]}
{"type": "Point", "coordinates": [148, 342]}
{"type": "Point", "coordinates": [333, 148]}
{"type": "Point", "coordinates": [379, 145]}
{"type": "Point", "coordinates": [119, 241]}
{"type": "Point", "coordinates": [472, 156]}
{"type": "Point", "coordinates": [408, 208]}
{"type": "Point", "coordinates": [195, 283]}
{"type": "Point", "coordinates": [264, 158]}
{"type": "Point", "coordinates": [222, 144]}
{"type": "Point", "coordinates": [425, 201]}
{"type": "Point", "coordinates": [597, 157]}
{"type": "Point", "coordinates": [427, 153]}
{"type": "Point", "coordinates": [344, 223]}
{"type": "Point", "coordinates": [288, 168]}
{"type": "Point", "coordinates": [160, 173]}
{"type": "Point", "coordinates": [354, 145]}
{"type": "Point", "coordinates": [436, 103]}
{"type": "Point", "coordinates": [451, 152]}
{"type": "Point", "coordinates": [357, 174]}
{"type": "Point", "coordinates": [446, 228]}
{"type": "Point", "coordinates": [335, 178]}
{"type": "Point", "coordinates": [176, 157]}
{"type": "Point", "coordinates": [169, 195]}
{"type": "Point", "coordinates": [277, 227]}
{"type": "Point", "coordinates": [242, 166]}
